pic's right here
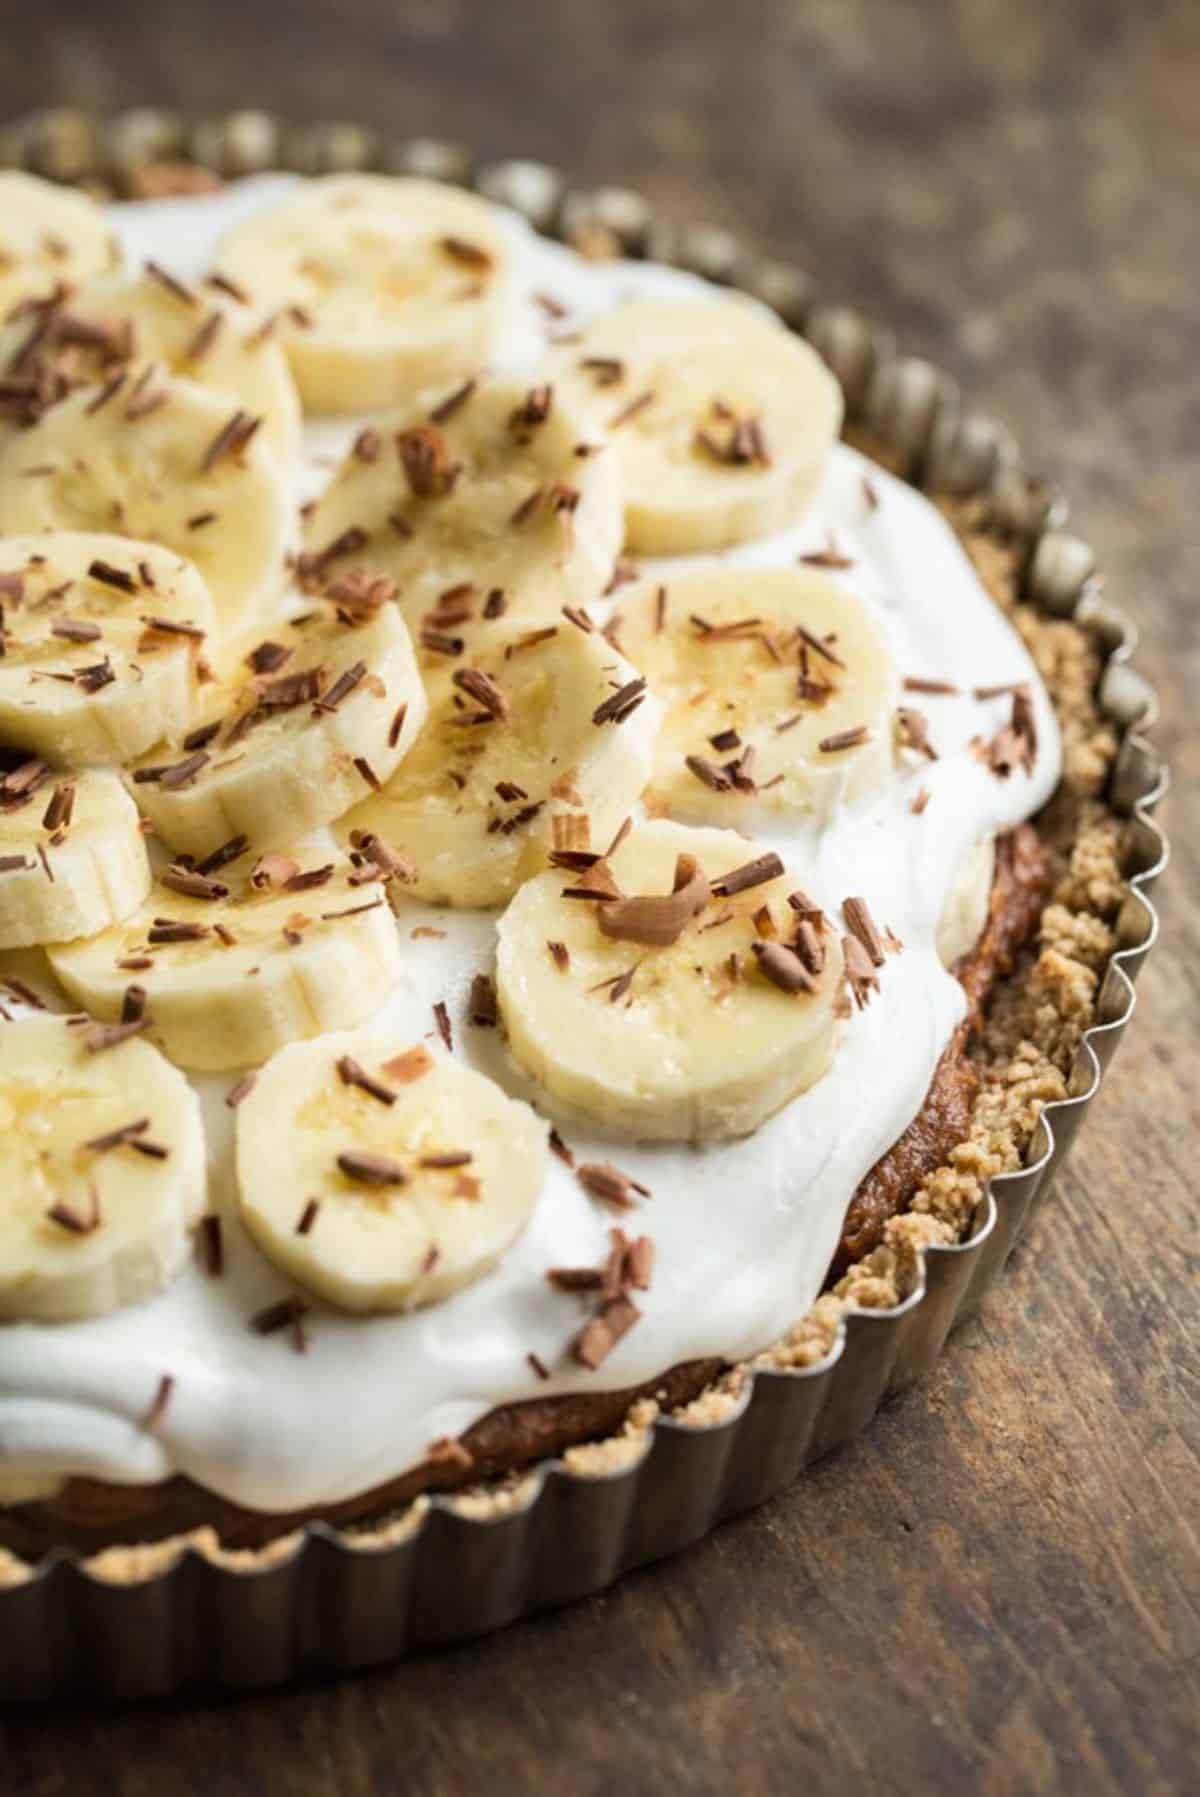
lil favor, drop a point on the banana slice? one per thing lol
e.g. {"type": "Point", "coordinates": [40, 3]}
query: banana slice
{"type": "Point", "coordinates": [541, 741]}
{"type": "Point", "coordinates": [102, 1169]}
{"type": "Point", "coordinates": [332, 712]}
{"type": "Point", "coordinates": [164, 461]}
{"type": "Point", "coordinates": [49, 236]}
{"type": "Point", "coordinates": [779, 687]}
{"type": "Point", "coordinates": [72, 856]}
{"type": "Point", "coordinates": [681, 1011]}
{"type": "Point", "coordinates": [380, 1177]}
{"type": "Point", "coordinates": [115, 324]}
{"type": "Point", "coordinates": [102, 643]}
{"type": "Point", "coordinates": [722, 420]}
{"type": "Point", "coordinates": [382, 285]}
{"type": "Point", "coordinates": [965, 911]}
{"type": "Point", "coordinates": [477, 506]}
{"type": "Point", "coordinates": [283, 950]}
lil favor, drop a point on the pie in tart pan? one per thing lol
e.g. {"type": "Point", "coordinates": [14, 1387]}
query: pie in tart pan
{"type": "Point", "coordinates": [574, 841]}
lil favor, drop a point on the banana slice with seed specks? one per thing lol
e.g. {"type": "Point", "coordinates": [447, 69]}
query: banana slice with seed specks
{"type": "Point", "coordinates": [381, 1177]}
{"type": "Point", "coordinates": [165, 461]}
{"type": "Point", "coordinates": [114, 325]}
{"type": "Point", "coordinates": [722, 421]}
{"type": "Point", "coordinates": [72, 856]}
{"type": "Point", "coordinates": [333, 711]}
{"type": "Point", "coordinates": [101, 1167]}
{"type": "Point", "coordinates": [780, 689]}
{"type": "Point", "coordinates": [477, 506]}
{"type": "Point", "coordinates": [383, 284]}
{"type": "Point", "coordinates": [236, 963]}
{"type": "Point", "coordinates": [681, 1012]}
{"type": "Point", "coordinates": [543, 741]}
{"type": "Point", "coordinates": [102, 642]}
{"type": "Point", "coordinates": [49, 236]}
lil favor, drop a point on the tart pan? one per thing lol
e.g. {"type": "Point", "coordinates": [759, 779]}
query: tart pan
{"type": "Point", "coordinates": [322, 1599]}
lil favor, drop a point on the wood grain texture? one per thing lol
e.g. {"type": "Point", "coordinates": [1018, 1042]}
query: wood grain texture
{"type": "Point", "coordinates": [998, 1589]}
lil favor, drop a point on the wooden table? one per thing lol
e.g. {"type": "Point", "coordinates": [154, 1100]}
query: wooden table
{"type": "Point", "coordinates": [998, 1590]}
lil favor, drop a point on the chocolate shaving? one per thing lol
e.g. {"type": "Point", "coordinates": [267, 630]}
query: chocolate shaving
{"type": "Point", "coordinates": [469, 255]}
{"type": "Point", "coordinates": [171, 282]}
{"type": "Point", "coordinates": [916, 683]}
{"type": "Point", "coordinates": [560, 955]}
{"type": "Point", "coordinates": [599, 1336]}
{"type": "Point", "coordinates": [351, 1073]}
{"type": "Point", "coordinates": [441, 1018]}
{"type": "Point", "coordinates": [341, 689]}
{"type": "Point", "coordinates": [620, 704]}
{"type": "Point", "coordinates": [371, 1169]}
{"type": "Point", "coordinates": [603, 1181]}
{"type": "Point", "coordinates": [482, 1009]}
{"type": "Point", "coordinates": [288, 1313]}
{"type": "Point", "coordinates": [829, 557]}
{"type": "Point", "coordinates": [98, 1037]}
{"type": "Point", "coordinates": [212, 1247]}
{"type": "Point", "coordinates": [452, 403]}
{"type": "Point", "coordinates": [845, 739]}
{"type": "Point", "coordinates": [425, 458]}
{"type": "Point", "coordinates": [656, 921]}
{"type": "Point", "coordinates": [783, 967]}
{"type": "Point", "coordinates": [708, 772]}
{"type": "Point", "coordinates": [174, 929]}
{"type": "Point", "coordinates": [269, 657]}
{"type": "Point", "coordinates": [860, 974]}
{"type": "Point", "coordinates": [483, 689]}
{"type": "Point", "coordinates": [221, 857]}
{"type": "Point", "coordinates": [117, 1138]}
{"type": "Point", "coordinates": [241, 1089]}
{"type": "Point", "coordinates": [308, 1216]}
{"type": "Point", "coordinates": [751, 873]}
{"type": "Point", "coordinates": [192, 884]}
{"type": "Point", "coordinates": [862, 926]}
{"type": "Point", "coordinates": [158, 1403]}
{"type": "Point", "coordinates": [60, 810]}
{"type": "Point", "coordinates": [913, 730]}
{"type": "Point", "coordinates": [233, 439]}
{"type": "Point", "coordinates": [636, 405]}
{"type": "Point", "coordinates": [73, 630]}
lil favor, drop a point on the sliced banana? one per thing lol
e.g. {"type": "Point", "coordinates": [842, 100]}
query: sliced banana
{"type": "Point", "coordinates": [101, 1167]}
{"type": "Point", "coordinates": [165, 461]}
{"type": "Point", "coordinates": [722, 420]}
{"type": "Point", "coordinates": [280, 950]}
{"type": "Point", "coordinates": [541, 740]}
{"type": "Point", "coordinates": [381, 1177]}
{"type": "Point", "coordinates": [102, 641]}
{"type": "Point", "coordinates": [477, 505]}
{"type": "Point", "coordinates": [72, 856]}
{"type": "Point", "coordinates": [965, 911]}
{"type": "Point", "coordinates": [109, 329]}
{"type": "Point", "coordinates": [50, 236]}
{"type": "Point", "coordinates": [779, 686]}
{"type": "Point", "coordinates": [332, 713]}
{"type": "Point", "coordinates": [382, 284]}
{"type": "Point", "coordinates": [681, 1011]}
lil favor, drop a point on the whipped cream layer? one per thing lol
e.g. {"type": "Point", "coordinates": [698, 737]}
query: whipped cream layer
{"type": "Point", "coordinates": [744, 1231]}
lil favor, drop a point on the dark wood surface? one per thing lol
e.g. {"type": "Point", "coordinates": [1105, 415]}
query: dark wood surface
{"type": "Point", "coordinates": [998, 1589]}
